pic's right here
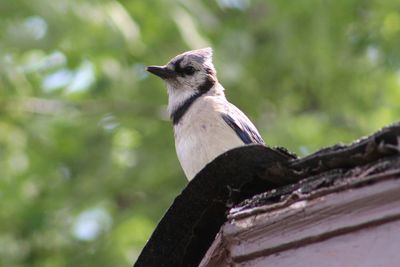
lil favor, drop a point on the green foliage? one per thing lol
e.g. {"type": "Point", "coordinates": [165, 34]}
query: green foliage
{"type": "Point", "coordinates": [87, 157]}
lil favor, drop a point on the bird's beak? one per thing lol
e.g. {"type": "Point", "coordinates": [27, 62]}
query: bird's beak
{"type": "Point", "coordinates": [161, 71]}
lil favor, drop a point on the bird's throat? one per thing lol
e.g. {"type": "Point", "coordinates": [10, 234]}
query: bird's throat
{"type": "Point", "coordinates": [180, 111]}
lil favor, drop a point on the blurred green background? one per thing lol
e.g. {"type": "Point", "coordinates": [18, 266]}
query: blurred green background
{"type": "Point", "coordinates": [87, 158]}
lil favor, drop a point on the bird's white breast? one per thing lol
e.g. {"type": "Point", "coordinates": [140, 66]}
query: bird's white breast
{"type": "Point", "coordinates": [202, 134]}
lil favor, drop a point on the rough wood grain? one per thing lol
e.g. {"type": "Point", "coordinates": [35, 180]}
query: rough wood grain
{"type": "Point", "coordinates": [310, 221]}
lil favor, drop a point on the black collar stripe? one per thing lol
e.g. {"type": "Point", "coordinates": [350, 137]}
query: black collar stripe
{"type": "Point", "coordinates": [177, 114]}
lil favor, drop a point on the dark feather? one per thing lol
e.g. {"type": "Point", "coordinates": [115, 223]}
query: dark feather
{"type": "Point", "coordinates": [243, 128]}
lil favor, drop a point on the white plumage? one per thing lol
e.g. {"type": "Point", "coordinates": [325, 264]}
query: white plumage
{"type": "Point", "coordinates": [205, 123]}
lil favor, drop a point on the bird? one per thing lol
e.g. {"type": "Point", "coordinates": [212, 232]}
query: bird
{"type": "Point", "coordinates": [205, 123]}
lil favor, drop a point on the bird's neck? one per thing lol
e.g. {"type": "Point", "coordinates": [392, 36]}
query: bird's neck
{"type": "Point", "coordinates": [179, 101]}
{"type": "Point", "coordinates": [216, 90]}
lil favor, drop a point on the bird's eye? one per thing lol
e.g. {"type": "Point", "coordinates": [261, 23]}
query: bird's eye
{"type": "Point", "coordinates": [189, 70]}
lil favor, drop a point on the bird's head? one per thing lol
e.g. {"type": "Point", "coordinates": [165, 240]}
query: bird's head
{"type": "Point", "coordinates": [187, 74]}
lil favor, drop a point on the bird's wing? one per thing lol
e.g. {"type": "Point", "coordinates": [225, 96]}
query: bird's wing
{"type": "Point", "coordinates": [242, 126]}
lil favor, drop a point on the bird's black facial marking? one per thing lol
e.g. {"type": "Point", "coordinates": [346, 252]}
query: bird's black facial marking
{"type": "Point", "coordinates": [206, 85]}
{"type": "Point", "coordinates": [177, 65]}
{"type": "Point", "coordinates": [189, 70]}
{"type": "Point", "coordinates": [182, 71]}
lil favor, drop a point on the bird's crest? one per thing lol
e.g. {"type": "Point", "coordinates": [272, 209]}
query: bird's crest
{"type": "Point", "coordinates": [200, 55]}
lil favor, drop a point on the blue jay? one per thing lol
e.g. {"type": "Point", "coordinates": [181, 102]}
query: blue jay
{"type": "Point", "coordinates": [205, 123]}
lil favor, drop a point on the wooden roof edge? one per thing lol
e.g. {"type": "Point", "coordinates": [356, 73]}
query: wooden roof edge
{"type": "Point", "coordinates": [357, 177]}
